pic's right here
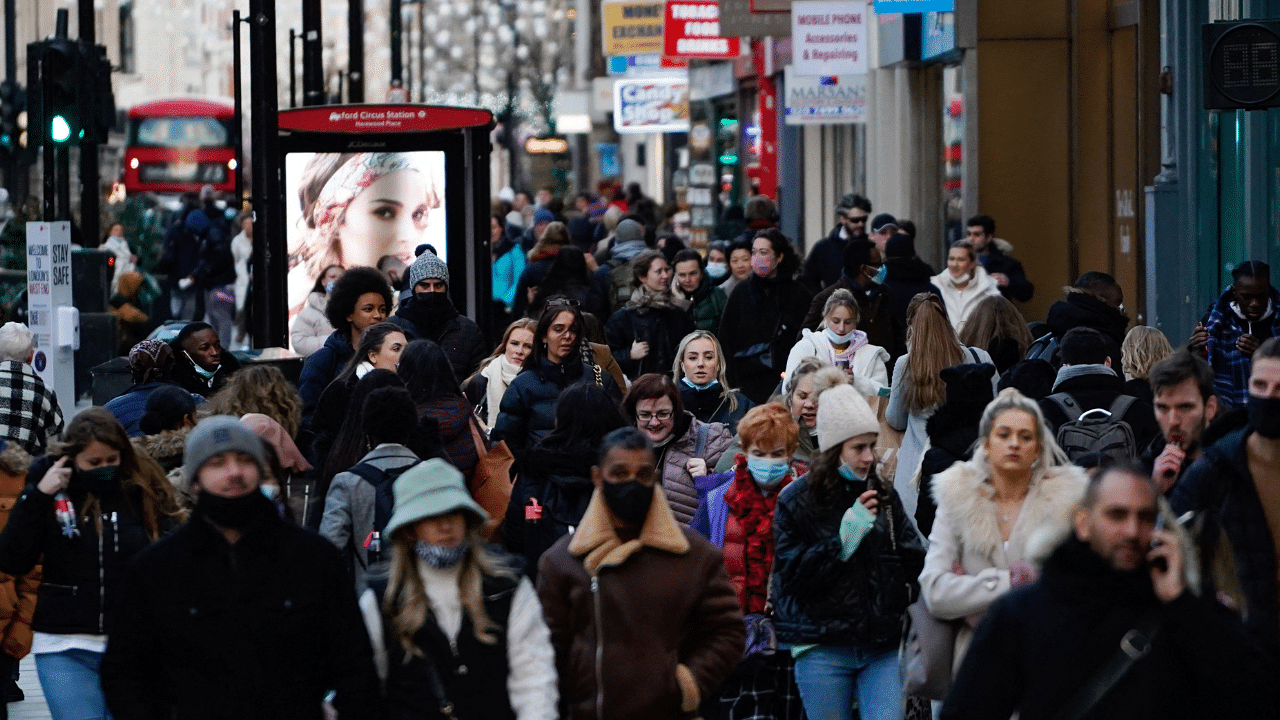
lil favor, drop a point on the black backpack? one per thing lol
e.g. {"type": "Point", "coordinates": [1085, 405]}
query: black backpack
{"type": "Point", "coordinates": [1044, 348]}
{"type": "Point", "coordinates": [1105, 433]}
{"type": "Point", "coordinates": [384, 500]}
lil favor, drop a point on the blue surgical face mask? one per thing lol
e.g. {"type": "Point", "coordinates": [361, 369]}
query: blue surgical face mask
{"type": "Point", "coordinates": [838, 339]}
{"type": "Point", "coordinates": [768, 472]}
{"type": "Point", "coordinates": [328, 287]}
{"type": "Point", "coordinates": [691, 384]}
{"type": "Point", "coordinates": [849, 475]}
{"type": "Point", "coordinates": [717, 270]}
{"type": "Point", "coordinates": [269, 490]}
{"type": "Point", "coordinates": [880, 275]}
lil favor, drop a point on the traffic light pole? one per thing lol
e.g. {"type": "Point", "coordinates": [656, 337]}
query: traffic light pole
{"type": "Point", "coordinates": [268, 313]}
{"type": "Point", "coordinates": [89, 193]}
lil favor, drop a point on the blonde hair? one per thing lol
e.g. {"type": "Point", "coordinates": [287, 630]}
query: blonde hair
{"type": "Point", "coordinates": [677, 367]}
{"type": "Point", "coordinates": [1010, 399]}
{"type": "Point", "coordinates": [1143, 347]}
{"type": "Point", "coordinates": [406, 600]}
{"type": "Point", "coordinates": [937, 348]}
{"type": "Point", "coordinates": [260, 389]}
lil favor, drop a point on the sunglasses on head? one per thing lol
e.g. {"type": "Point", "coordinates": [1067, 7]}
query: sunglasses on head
{"type": "Point", "coordinates": [563, 302]}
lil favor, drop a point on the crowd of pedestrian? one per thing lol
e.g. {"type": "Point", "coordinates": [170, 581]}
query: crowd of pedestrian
{"type": "Point", "coordinates": [753, 484]}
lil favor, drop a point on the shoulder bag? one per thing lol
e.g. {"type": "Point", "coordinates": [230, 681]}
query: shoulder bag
{"type": "Point", "coordinates": [491, 484]}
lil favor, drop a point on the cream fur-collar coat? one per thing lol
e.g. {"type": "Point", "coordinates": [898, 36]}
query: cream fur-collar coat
{"type": "Point", "coordinates": [966, 530]}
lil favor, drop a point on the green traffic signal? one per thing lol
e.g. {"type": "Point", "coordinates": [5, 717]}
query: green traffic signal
{"type": "Point", "coordinates": [59, 129]}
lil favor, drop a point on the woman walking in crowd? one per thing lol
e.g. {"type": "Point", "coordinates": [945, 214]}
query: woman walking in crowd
{"type": "Point", "coordinates": [360, 298]}
{"type": "Point", "coordinates": [556, 473]}
{"type": "Point", "coordinates": [696, 292]}
{"type": "Point", "coordinates": [568, 276]}
{"type": "Point", "coordinates": [845, 568]}
{"type": "Point", "coordinates": [312, 326]}
{"type": "Point", "coordinates": [508, 262]}
{"type": "Point", "coordinates": [997, 327]}
{"type": "Point", "coordinates": [764, 316]}
{"type": "Point", "coordinates": [1143, 347]}
{"type": "Point", "coordinates": [528, 410]}
{"type": "Point", "coordinates": [201, 365]}
{"type": "Point", "coordinates": [842, 344]}
{"type": "Point", "coordinates": [718, 264]}
{"type": "Point", "coordinates": [428, 377]}
{"type": "Point", "coordinates": [686, 447]}
{"type": "Point", "coordinates": [260, 389]}
{"type": "Point", "coordinates": [380, 348]}
{"type": "Point", "coordinates": [455, 625]}
{"type": "Point", "coordinates": [737, 516]}
{"type": "Point", "coordinates": [90, 505]}
{"type": "Point", "coordinates": [357, 505]}
{"type": "Point", "coordinates": [485, 389]}
{"type": "Point", "coordinates": [645, 333]}
{"type": "Point", "coordinates": [917, 387]}
{"type": "Point", "coordinates": [800, 397]}
{"type": "Point", "coordinates": [964, 284]}
{"type": "Point", "coordinates": [170, 415]}
{"type": "Point", "coordinates": [1018, 486]}
{"type": "Point", "coordinates": [952, 431]}
{"type": "Point", "coordinates": [704, 390]}
{"type": "Point", "coordinates": [286, 487]}
{"type": "Point", "coordinates": [739, 265]}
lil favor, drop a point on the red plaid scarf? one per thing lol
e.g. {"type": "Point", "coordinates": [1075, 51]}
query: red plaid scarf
{"type": "Point", "coordinates": [754, 512]}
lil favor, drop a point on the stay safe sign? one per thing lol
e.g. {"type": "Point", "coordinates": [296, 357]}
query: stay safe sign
{"type": "Point", "coordinates": [691, 29]}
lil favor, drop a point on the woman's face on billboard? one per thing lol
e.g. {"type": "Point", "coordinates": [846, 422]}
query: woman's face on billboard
{"type": "Point", "coordinates": [388, 218]}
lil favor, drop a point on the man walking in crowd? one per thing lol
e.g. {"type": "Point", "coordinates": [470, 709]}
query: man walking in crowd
{"type": "Point", "coordinates": [993, 253]}
{"type": "Point", "coordinates": [642, 616]}
{"type": "Point", "coordinates": [30, 414]}
{"type": "Point", "coordinates": [429, 314]}
{"type": "Point", "coordinates": [1242, 318]}
{"type": "Point", "coordinates": [1111, 629]}
{"type": "Point", "coordinates": [1095, 300]}
{"type": "Point", "coordinates": [1236, 484]}
{"type": "Point", "coordinates": [883, 227]}
{"type": "Point", "coordinates": [1185, 406]}
{"type": "Point", "coordinates": [238, 614]}
{"type": "Point", "coordinates": [822, 265]}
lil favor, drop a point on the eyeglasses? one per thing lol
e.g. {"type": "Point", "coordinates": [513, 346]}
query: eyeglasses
{"type": "Point", "coordinates": [563, 302]}
{"type": "Point", "coordinates": [661, 416]}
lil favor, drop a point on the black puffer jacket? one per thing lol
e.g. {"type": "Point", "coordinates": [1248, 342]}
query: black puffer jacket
{"type": "Point", "coordinates": [907, 277]}
{"type": "Point", "coordinates": [82, 575]}
{"type": "Point", "coordinates": [995, 261]}
{"type": "Point", "coordinates": [819, 598]}
{"type": "Point", "coordinates": [528, 410]}
{"type": "Point", "coordinates": [560, 479]}
{"type": "Point", "coordinates": [662, 327]}
{"type": "Point", "coordinates": [712, 405]}
{"type": "Point", "coordinates": [1084, 310]}
{"type": "Point", "coordinates": [761, 311]}
{"type": "Point", "coordinates": [458, 335]}
{"type": "Point", "coordinates": [952, 431]}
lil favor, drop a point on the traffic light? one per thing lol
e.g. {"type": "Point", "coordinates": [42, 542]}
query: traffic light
{"type": "Point", "coordinates": [13, 103]}
{"type": "Point", "coordinates": [63, 78]}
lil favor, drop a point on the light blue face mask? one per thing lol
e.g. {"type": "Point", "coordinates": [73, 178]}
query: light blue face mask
{"type": "Point", "coordinates": [880, 275]}
{"type": "Point", "coordinates": [838, 339]}
{"type": "Point", "coordinates": [768, 472]}
{"type": "Point", "coordinates": [849, 475]}
{"type": "Point", "coordinates": [691, 384]}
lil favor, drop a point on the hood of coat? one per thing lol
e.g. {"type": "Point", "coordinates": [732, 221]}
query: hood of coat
{"type": "Point", "coordinates": [318, 301]}
{"type": "Point", "coordinates": [166, 446]}
{"type": "Point", "coordinates": [965, 491]}
{"type": "Point", "coordinates": [1080, 309]}
{"type": "Point", "coordinates": [908, 269]}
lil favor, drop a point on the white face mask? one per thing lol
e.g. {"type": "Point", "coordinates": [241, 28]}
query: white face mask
{"type": "Point", "coordinates": [963, 279]}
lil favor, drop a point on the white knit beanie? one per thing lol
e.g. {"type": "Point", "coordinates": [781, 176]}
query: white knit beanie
{"type": "Point", "coordinates": [843, 413]}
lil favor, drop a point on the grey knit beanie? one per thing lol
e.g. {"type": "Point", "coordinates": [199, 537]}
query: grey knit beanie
{"type": "Point", "coordinates": [428, 266]}
{"type": "Point", "coordinates": [628, 231]}
{"type": "Point", "coordinates": [215, 435]}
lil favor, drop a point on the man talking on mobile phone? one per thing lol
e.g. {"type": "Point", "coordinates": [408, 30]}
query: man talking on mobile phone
{"type": "Point", "coordinates": [1112, 629]}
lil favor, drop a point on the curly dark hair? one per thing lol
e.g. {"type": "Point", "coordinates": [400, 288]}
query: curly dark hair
{"type": "Point", "coordinates": [347, 291]}
{"type": "Point", "coordinates": [788, 260]}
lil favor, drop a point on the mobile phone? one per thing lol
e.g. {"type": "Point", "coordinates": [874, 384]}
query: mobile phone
{"type": "Point", "coordinates": [843, 364]}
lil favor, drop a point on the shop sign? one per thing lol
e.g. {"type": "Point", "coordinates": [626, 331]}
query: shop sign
{"type": "Point", "coordinates": [652, 105]}
{"type": "Point", "coordinates": [829, 37]}
{"type": "Point", "coordinates": [711, 80]}
{"type": "Point", "coordinates": [738, 20]}
{"type": "Point", "coordinates": [884, 7]}
{"type": "Point", "coordinates": [702, 175]}
{"type": "Point", "coordinates": [641, 65]}
{"type": "Point", "coordinates": [632, 27]}
{"type": "Point", "coordinates": [692, 30]}
{"type": "Point", "coordinates": [546, 146]}
{"type": "Point", "coordinates": [824, 100]}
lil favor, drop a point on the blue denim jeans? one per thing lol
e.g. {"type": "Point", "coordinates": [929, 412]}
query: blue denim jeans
{"type": "Point", "coordinates": [831, 676]}
{"type": "Point", "coordinates": [72, 685]}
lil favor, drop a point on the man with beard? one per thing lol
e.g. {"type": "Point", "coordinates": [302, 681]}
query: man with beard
{"type": "Point", "coordinates": [237, 614]}
{"type": "Point", "coordinates": [1185, 406]}
{"type": "Point", "coordinates": [1111, 629]}
{"type": "Point", "coordinates": [1236, 485]}
{"type": "Point", "coordinates": [993, 253]}
{"type": "Point", "coordinates": [429, 314]}
{"type": "Point", "coordinates": [642, 616]}
{"type": "Point", "coordinates": [1242, 318]}
{"type": "Point", "coordinates": [822, 264]}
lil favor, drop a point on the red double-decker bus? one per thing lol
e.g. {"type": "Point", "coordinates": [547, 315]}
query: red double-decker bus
{"type": "Point", "coordinates": [179, 145]}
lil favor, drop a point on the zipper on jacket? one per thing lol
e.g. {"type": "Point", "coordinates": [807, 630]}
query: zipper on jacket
{"type": "Point", "coordinates": [102, 579]}
{"type": "Point", "coordinates": [595, 595]}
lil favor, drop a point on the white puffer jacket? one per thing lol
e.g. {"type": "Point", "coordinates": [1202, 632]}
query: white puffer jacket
{"type": "Point", "coordinates": [311, 328]}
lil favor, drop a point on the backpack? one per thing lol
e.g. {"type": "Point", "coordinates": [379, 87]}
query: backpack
{"type": "Point", "coordinates": [1105, 433]}
{"type": "Point", "coordinates": [619, 284]}
{"type": "Point", "coordinates": [384, 500]}
{"type": "Point", "coordinates": [1044, 348]}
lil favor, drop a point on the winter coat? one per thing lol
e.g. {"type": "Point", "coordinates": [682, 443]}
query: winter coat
{"type": "Point", "coordinates": [82, 576]}
{"type": "Point", "coordinates": [508, 264]}
{"type": "Point", "coordinates": [166, 448]}
{"type": "Point", "coordinates": [825, 259]}
{"type": "Point", "coordinates": [560, 479]}
{"type": "Point", "coordinates": [217, 266]}
{"type": "Point", "coordinates": [17, 592]}
{"type": "Point", "coordinates": [185, 375]}
{"type": "Point", "coordinates": [662, 327]}
{"type": "Point", "coordinates": [476, 389]}
{"type": "Point", "coordinates": [908, 277]}
{"type": "Point", "coordinates": [875, 315]}
{"type": "Point", "coordinates": [712, 405]}
{"type": "Point", "coordinates": [643, 629]}
{"type": "Point", "coordinates": [1042, 644]}
{"type": "Point", "coordinates": [311, 329]}
{"type": "Point", "coordinates": [1231, 368]}
{"type": "Point", "coordinates": [452, 414]}
{"type": "Point", "coordinates": [528, 410]}
{"type": "Point", "coordinates": [320, 369]}
{"type": "Point", "coordinates": [458, 336]}
{"type": "Point", "coordinates": [132, 405]}
{"type": "Point", "coordinates": [1084, 310]}
{"type": "Point", "coordinates": [535, 270]}
{"type": "Point", "coordinates": [952, 432]}
{"type": "Point", "coordinates": [674, 457]}
{"type": "Point", "coordinates": [966, 531]}
{"type": "Point", "coordinates": [349, 510]}
{"type": "Point", "coordinates": [819, 598]}
{"type": "Point", "coordinates": [259, 629]}
{"type": "Point", "coordinates": [1221, 486]}
{"type": "Point", "coordinates": [870, 361]}
{"type": "Point", "coordinates": [1098, 390]}
{"type": "Point", "coordinates": [997, 261]}
{"type": "Point", "coordinates": [705, 306]}
{"type": "Point", "coordinates": [33, 414]}
{"type": "Point", "coordinates": [961, 303]}
{"type": "Point", "coordinates": [762, 314]}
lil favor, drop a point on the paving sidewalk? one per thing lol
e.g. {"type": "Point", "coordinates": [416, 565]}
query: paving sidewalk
{"type": "Point", "coordinates": [34, 707]}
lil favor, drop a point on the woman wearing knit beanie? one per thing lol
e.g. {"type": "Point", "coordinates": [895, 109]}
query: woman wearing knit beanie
{"type": "Point", "coordinates": [845, 567]}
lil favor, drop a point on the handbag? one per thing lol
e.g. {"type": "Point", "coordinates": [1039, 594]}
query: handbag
{"type": "Point", "coordinates": [490, 484]}
{"type": "Point", "coordinates": [927, 652]}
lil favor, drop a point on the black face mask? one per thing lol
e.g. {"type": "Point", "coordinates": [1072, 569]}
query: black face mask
{"type": "Point", "coordinates": [99, 482]}
{"type": "Point", "coordinates": [235, 513]}
{"type": "Point", "coordinates": [1264, 416]}
{"type": "Point", "coordinates": [629, 500]}
{"type": "Point", "coordinates": [432, 300]}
